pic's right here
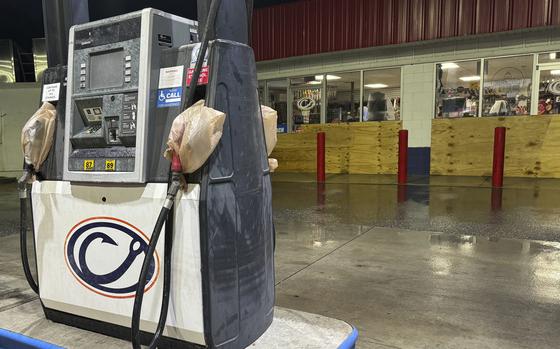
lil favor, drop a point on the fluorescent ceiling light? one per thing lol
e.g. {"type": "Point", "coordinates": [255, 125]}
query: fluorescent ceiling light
{"type": "Point", "coordinates": [329, 77]}
{"type": "Point", "coordinates": [449, 65]}
{"type": "Point", "coordinates": [470, 78]}
{"type": "Point", "coordinates": [376, 86]}
{"type": "Point", "coordinates": [555, 72]}
{"type": "Point", "coordinates": [314, 82]}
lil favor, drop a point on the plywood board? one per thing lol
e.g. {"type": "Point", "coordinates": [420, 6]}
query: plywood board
{"type": "Point", "coordinates": [365, 148]}
{"type": "Point", "coordinates": [464, 147]}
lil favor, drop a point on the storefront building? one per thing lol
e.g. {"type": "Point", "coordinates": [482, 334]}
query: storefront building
{"type": "Point", "coordinates": [447, 71]}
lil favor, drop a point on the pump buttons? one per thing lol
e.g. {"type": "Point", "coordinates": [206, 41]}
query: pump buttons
{"type": "Point", "coordinates": [127, 68]}
{"type": "Point", "coordinates": [82, 75]}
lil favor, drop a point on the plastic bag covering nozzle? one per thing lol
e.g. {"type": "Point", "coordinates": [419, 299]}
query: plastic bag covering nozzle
{"type": "Point", "coordinates": [194, 135]}
{"type": "Point", "coordinates": [37, 136]}
{"type": "Point", "coordinates": [270, 118]}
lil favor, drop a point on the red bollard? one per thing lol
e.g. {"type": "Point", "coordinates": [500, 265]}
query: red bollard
{"type": "Point", "coordinates": [321, 195]}
{"type": "Point", "coordinates": [403, 157]}
{"type": "Point", "coordinates": [499, 153]}
{"type": "Point", "coordinates": [401, 193]}
{"type": "Point", "coordinates": [496, 199]}
{"type": "Point", "coordinates": [320, 157]}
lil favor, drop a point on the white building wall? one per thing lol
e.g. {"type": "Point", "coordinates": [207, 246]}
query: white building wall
{"type": "Point", "coordinates": [17, 103]}
{"type": "Point", "coordinates": [417, 103]}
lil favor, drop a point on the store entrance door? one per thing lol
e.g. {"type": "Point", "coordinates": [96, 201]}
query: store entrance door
{"type": "Point", "coordinates": [547, 94]}
{"type": "Point", "coordinates": [305, 107]}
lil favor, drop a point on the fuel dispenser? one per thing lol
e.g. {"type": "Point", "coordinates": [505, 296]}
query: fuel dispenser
{"type": "Point", "coordinates": [105, 185]}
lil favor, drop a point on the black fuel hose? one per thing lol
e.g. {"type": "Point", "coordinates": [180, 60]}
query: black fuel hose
{"type": "Point", "coordinates": [22, 185]}
{"type": "Point", "coordinates": [166, 215]}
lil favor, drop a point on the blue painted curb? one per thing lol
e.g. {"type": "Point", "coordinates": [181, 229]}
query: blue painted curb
{"type": "Point", "coordinates": [350, 342]}
{"type": "Point", "coordinates": [12, 340]}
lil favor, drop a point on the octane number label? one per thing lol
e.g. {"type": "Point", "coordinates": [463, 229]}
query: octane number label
{"type": "Point", "coordinates": [89, 165]}
{"type": "Point", "coordinates": [110, 165]}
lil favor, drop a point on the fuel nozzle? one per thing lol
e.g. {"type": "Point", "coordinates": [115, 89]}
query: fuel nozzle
{"type": "Point", "coordinates": [175, 185]}
{"type": "Point", "coordinates": [25, 178]}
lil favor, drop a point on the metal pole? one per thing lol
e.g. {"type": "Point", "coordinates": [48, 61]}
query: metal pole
{"type": "Point", "coordinates": [58, 17]}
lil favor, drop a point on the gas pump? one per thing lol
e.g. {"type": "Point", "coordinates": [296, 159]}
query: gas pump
{"type": "Point", "coordinates": [100, 204]}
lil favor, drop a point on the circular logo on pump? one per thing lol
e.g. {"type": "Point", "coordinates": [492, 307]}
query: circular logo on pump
{"type": "Point", "coordinates": [105, 255]}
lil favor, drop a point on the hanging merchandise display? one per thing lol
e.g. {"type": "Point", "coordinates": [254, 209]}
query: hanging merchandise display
{"type": "Point", "coordinates": [313, 93]}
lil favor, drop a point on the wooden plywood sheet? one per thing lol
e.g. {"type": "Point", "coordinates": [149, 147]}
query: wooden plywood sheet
{"type": "Point", "coordinates": [365, 148]}
{"type": "Point", "coordinates": [464, 147]}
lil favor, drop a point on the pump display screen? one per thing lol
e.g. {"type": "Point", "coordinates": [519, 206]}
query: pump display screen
{"type": "Point", "coordinates": [106, 69]}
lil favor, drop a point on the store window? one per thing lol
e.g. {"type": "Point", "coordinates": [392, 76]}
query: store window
{"type": "Point", "coordinates": [306, 100]}
{"type": "Point", "coordinates": [507, 86]}
{"type": "Point", "coordinates": [549, 90]}
{"type": "Point", "coordinates": [550, 57]}
{"type": "Point", "coordinates": [549, 83]}
{"type": "Point", "coordinates": [382, 95]}
{"type": "Point", "coordinates": [278, 100]}
{"type": "Point", "coordinates": [343, 93]}
{"type": "Point", "coordinates": [457, 89]}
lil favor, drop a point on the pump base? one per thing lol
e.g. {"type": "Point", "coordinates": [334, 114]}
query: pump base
{"type": "Point", "coordinates": [113, 330]}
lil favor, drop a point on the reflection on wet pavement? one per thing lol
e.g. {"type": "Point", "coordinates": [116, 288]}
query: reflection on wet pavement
{"type": "Point", "coordinates": [524, 212]}
{"type": "Point", "coordinates": [376, 258]}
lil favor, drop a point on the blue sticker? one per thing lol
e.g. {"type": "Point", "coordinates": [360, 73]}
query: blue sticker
{"type": "Point", "coordinates": [169, 97]}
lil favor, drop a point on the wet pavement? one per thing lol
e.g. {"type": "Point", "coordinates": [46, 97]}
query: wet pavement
{"type": "Point", "coordinates": [423, 266]}
{"type": "Point", "coordinates": [523, 209]}
{"type": "Point", "coordinates": [407, 289]}
{"type": "Point", "coordinates": [9, 208]}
